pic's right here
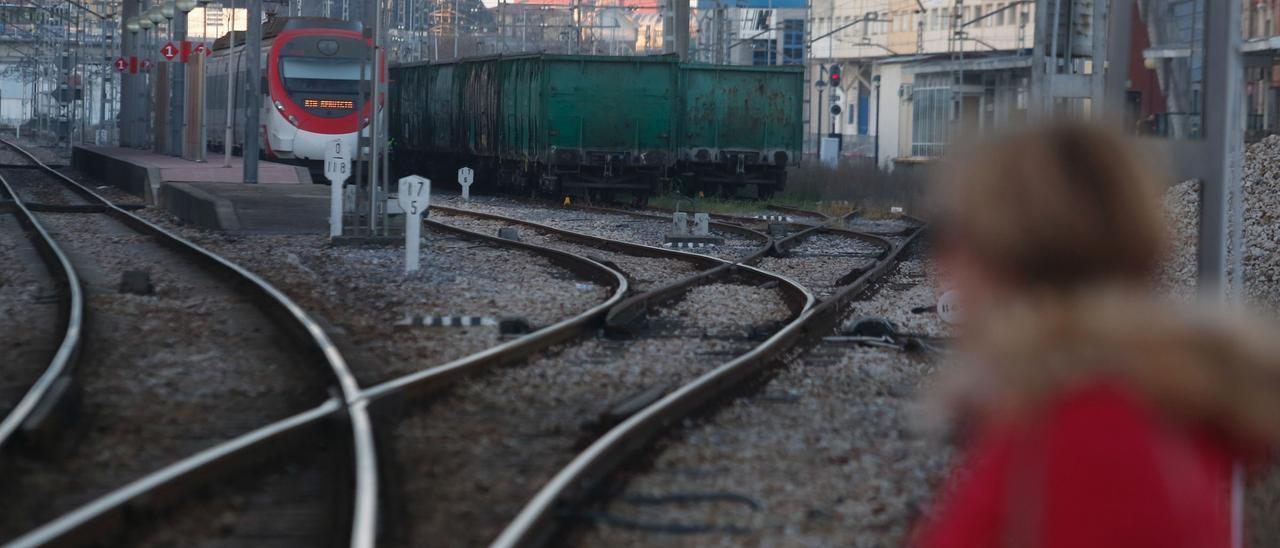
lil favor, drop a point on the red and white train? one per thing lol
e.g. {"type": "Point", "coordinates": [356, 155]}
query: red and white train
{"type": "Point", "coordinates": [311, 71]}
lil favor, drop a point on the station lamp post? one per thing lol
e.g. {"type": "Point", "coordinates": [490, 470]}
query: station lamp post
{"type": "Point", "coordinates": [157, 17]}
{"type": "Point", "coordinates": [128, 95]}
{"type": "Point", "coordinates": [147, 23]}
{"type": "Point", "coordinates": [176, 12]}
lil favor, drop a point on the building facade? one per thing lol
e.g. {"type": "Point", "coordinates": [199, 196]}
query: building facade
{"type": "Point", "coordinates": [754, 32]}
{"type": "Point", "coordinates": [914, 75]}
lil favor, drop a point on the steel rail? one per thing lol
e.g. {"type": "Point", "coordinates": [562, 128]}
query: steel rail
{"type": "Point", "coordinates": [635, 306]}
{"type": "Point", "coordinates": [82, 523]}
{"type": "Point", "coordinates": [68, 351]}
{"type": "Point", "coordinates": [536, 521]}
{"type": "Point", "coordinates": [80, 526]}
{"type": "Point", "coordinates": [420, 382]}
{"type": "Point", "coordinates": [629, 248]}
{"type": "Point", "coordinates": [300, 324]}
{"type": "Point", "coordinates": [736, 220]}
{"type": "Point", "coordinates": [625, 312]}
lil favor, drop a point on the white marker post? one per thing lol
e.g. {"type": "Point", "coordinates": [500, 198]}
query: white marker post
{"type": "Point", "coordinates": [337, 167]}
{"type": "Point", "coordinates": [414, 198]}
{"type": "Point", "coordinates": [949, 307]}
{"type": "Point", "coordinates": [466, 176]}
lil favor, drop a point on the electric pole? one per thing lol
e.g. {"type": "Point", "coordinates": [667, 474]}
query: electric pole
{"type": "Point", "coordinates": [253, 91]}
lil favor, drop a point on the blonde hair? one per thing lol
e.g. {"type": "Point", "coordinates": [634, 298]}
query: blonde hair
{"type": "Point", "coordinates": [1060, 207]}
{"type": "Point", "coordinates": [1070, 215]}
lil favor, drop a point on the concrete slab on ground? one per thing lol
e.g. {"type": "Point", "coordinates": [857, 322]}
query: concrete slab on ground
{"type": "Point", "coordinates": [259, 209]}
{"type": "Point", "coordinates": [141, 172]}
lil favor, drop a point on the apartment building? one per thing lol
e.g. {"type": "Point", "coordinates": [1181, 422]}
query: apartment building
{"type": "Point", "coordinates": [749, 32]}
{"type": "Point", "coordinates": [1261, 47]}
{"type": "Point", "coordinates": [914, 74]}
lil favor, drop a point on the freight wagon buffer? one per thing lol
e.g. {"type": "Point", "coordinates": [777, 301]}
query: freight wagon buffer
{"type": "Point", "coordinates": [543, 123]}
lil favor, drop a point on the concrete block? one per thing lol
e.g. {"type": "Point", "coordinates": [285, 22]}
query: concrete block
{"type": "Point", "coordinates": [679, 223]}
{"type": "Point", "coordinates": [701, 224]}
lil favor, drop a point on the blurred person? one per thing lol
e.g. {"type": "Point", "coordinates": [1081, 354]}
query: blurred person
{"type": "Point", "coordinates": [1094, 414]}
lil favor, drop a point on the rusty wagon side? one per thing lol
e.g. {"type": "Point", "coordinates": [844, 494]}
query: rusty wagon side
{"type": "Point", "coordinates": [740, 127]}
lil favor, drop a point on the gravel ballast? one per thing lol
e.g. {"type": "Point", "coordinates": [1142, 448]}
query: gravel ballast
{"type": "Point", "coordinates": [643, 273]}
{"type": "Point", "coordinates": [163, 375]}
{"type": "Point", "coordinates": [471, 459]}
{"type": "Point", "coordinates": [29, 309]}
{"type": "Point", "coordinates": [361, 293]}
{"type": "Point", "coordinates": [824, 454]}
{"type": "Point", "coordinates": [636, 229]}
{"type": "Point", "coordinates": [820, 260]}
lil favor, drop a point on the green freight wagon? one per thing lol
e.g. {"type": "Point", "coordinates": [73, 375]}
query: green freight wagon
{"type": "Point", "coordinates": [549, 123]}
{"type": "Point", "coordinates": [740, 127]}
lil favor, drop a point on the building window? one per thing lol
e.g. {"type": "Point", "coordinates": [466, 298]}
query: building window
{"type": "Point", "coordinates": [793, 42]}
{"type": "Point", "coordinates": [931, 114]}
{"type": "Point", "coordinates": [763, 52]}
{"type": "Point", "coordinates": [1000, 14]}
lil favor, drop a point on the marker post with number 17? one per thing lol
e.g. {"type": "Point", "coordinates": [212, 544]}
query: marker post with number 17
{"type": "Point", "coordinates": [337, 167]}
{"type": "Point", "coordinates": [414, 198]}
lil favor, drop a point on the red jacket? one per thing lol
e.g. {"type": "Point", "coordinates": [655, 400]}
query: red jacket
{"type": "Point", "coordinates": [1099, 469]}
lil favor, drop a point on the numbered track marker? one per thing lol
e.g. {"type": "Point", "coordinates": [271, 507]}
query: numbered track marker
{"type": "Point", "coordinates": [414, 198]}
{"type": "Point", "coordinates": [337, 167]}
{"type": "Point", "coordinates": [466, 176]}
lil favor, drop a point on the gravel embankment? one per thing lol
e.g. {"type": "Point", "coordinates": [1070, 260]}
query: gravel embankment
{"type": "Point", "coordinates": [614, 226]}
{"type": "Point", "coordinates": [1261, 261]}
{"type": "Point", "coordinates": [1182, 213]}
{"type": "Point", "coordinates": [467, 462]}
{"type": "Point", "coordinates": [824, 455]}
{"type": "Point", "coordinates": [1262, 284]}
{"type": "Point", "coordinates": [360, 293]}
{"type": "Point", "coordinates": [643, 273]}
{"type": "Point", "coordinates": [821, 260]}
{"type": "Point", "coordinates": [29, 308]}
{"type": "Point", "coordinates": [1262, 222]}
{"type": "Point", "coordinates": [162, 375]}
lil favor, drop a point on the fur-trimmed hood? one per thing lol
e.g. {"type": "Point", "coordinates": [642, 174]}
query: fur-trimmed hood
{"type": "Point", "coordinates": [1205, 367]}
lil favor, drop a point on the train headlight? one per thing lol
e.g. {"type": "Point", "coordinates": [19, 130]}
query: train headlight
{"type": "Point", "coordinates": [327, 48]}
{"type": "Point", "coordinates": [279, 106]}
{"type": "Point", "coordinates": [293, 120]}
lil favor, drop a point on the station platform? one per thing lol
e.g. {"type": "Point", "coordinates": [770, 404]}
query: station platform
{"type": "Point", "coordinates": [258, 209]}
{"type": "Point", "coordinates": [208, 195]}
{"type": "Point", "coordinates": [141, 172]}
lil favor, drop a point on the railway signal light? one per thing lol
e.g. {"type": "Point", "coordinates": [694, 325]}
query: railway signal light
{"type": "Point", "coordinates": [833, 74]}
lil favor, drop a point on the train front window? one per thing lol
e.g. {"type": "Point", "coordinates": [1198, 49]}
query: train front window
{"type": "Point", "coordinates": [327, 76]}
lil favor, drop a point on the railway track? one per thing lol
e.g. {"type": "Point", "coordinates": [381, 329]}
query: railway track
{"type": "Point", "coordinates": [531, 419]}
{"type": "Point", "coordinates": [762, 471]}
{"type": "Point", "coordinates": [545, 518]}
{"type": "Point", "coordinates": [740, 243]}
{"type": "Point", "coordinates": [43, 311]}
{"type": "Point", "coordinates": [569, 387]}
{"type": "Point", "coordinates": [274, 501]}
{"type": "Point", "coordinates": [186, 356]}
